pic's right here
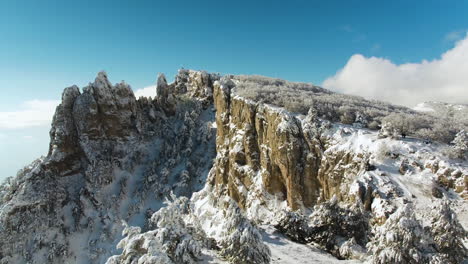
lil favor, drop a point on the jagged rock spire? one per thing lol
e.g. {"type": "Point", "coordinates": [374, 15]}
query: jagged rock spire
{"type": "Point", "coordinates": [69, 95]}
{"type": "Point", "coordinates": [161, 87]}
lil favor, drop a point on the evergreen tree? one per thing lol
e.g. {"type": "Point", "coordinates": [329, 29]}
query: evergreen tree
{"type": "Point", "coordinates": [448, 233]}
{"type": "Point", "coordinates": [460, 144]}
{"type": "Point", "coordinates": [400, 240]}
{"type": "Point", "coordinates": [242, 242]}
{"type": "Point", "coordinates": [169, 240]}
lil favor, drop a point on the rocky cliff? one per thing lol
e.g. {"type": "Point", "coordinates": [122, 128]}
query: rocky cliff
{"type": "Point", "coordinates": [288, 154]}
{"type": "Point", "coordinates": [112, 157]}
{"type": "Point", "coordinates": [116, 158]}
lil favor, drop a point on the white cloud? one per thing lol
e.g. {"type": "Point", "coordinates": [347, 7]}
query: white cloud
{"type": "Point", "coordinates": [444, 79]}
{"type": "Point", "coordinates": [31, 114]}
{"type": "Point", "coordinates": [146, 92]}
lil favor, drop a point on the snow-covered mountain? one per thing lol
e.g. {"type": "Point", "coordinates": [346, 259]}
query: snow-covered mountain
{"type": "Point", "coordinates": [204, 174]}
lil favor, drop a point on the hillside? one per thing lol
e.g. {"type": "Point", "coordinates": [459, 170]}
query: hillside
{"type": "Point", "coordinates": [237, 169]}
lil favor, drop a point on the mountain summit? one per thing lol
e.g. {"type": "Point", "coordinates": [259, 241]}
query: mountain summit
{"type": "Point", "coordinates": [238, 169]}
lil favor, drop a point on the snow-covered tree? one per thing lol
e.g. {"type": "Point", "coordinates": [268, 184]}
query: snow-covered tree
{"type": "Point", "coordinates": [400, 240]}
{"type": "Point", "coordinates": [184, 180]}
{"type": "Point", "coordinates": [387, 130]}
{"type": "Point", "coordinates": [460, 144]}
{"type": "Point", "coordinates": [350, 249]}
{"type": "Point", "coordinates": [314, 128]}
{"type": "Point", "coordinates": [425, 134]}
{"type": "Point", "coordinates": [347, 115]}
{"type": "Point", "coordinates": [139, 248]}
{"type": "Point", "coordinates": [205, 132]}
{"type": "Point", "coordinates": [396, 124]}
{"type": "Point", "coordinates": [295, 226]}
{"type": "Point", "coordinates": [448, 233]}
{"type": "Point", "coordinates": [360, 121]}
{"type": "Point", "coordinates": [332, 224]}
{"type": "Point", "coordinates": [443, 131]}
{"type": "Point", "coordinates": [173, 233]}
{"type": "Point", "coordinates": [169, 241]}
{"type": "Point", "coordinates": [374, 125]}
{"type": "Point", "coordinates": [242, 242]}
{"type": "Point", "coordinates": [341, 231]}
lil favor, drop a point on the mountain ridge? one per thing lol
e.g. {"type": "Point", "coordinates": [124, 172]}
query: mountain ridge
{"type": "Point", "coordinates": [113, 157]}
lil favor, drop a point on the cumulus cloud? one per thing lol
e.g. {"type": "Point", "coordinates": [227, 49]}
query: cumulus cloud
{"type": "Point", "coordinates": [31, 114]}
{"type": "Point", "coordinates": [444, 79]}
{"type": "Point", "coordinates": [146, 92]}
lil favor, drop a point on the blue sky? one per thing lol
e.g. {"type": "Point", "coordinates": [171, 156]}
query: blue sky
{"type": "Point", "coordinates": [48, 45]}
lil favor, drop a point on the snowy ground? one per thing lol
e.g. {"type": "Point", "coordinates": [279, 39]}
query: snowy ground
{"type": "Point", "coordinates": [210, 257]}
{"type": "Point", "coordinates": [283, 251]}
{"type": "Point", "coordinates": [415, 187]}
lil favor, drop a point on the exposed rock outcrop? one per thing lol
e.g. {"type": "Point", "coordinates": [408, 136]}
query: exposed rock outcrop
{"type": "Point", "coordinates": [112, 157]}
{"type": "Point", "coordinates": [258, 140]}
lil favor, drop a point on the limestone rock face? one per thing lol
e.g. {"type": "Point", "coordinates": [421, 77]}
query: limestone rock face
{"type": "Point", "coordinates": [101, 111]}
{"type": "Point", "coordinates": [196, 83]}
{"type": "Point", "coordinates": [165, 95]}
{"type": "Point", "coordinates": [257, 140]}
{"type": "Point", "coordinates": [64, 149]}
{"type": "Point", "coordinates": [105, 111]}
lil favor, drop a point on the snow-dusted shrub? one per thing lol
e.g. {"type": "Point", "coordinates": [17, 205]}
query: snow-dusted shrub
{"type": "Point", "coordinates": [400, 240]}
{"type": "Point", "coordinates": [347, 115]}
{"type": "Point", "coordinates": [350, 249]}
{"type": "Point", "coordinates": [184, 180]}
{"type": "Point", "coordinates": [374, 125]}
{"type": "Point", "coordinates": [383, 151]}
{"type": "Point", "coordinates": [242, 242]}
{"type": "Point", "coordinates": [360, 121]}
{"type": "Point", "coordinates": [170, 240]}
{"type": "Point", "coordinates": [295, 226]}
{"type": "Point", "coordinates": [341, 231]}
{"type": "Point", "coordinates": [460, 144]}
{"type": "Point", "coordinates": [425, 133]}
{"type": "Point", "coordinates": [397, 124]}
{"type": "Point", "coordinates": [387, 130]}
{"type": "Point", "coordinates": [5, 188]}
{"type": "Point", "coordinates": [173, 233]}
{"type": "Point", "coordinates": [205, 132]}
{"type": "Point", "coordinates": [139, 248]}
{"type": "Point", "coordinates": [447, 234]}
{"type": "Point", "coordinates": [314, 128]}
{"type": "Point", "coordinates": [331, 224]}
{"type": "Point", "coordinates": [9, 185]}
{"type": "Point", "coordinates": [443, 131]}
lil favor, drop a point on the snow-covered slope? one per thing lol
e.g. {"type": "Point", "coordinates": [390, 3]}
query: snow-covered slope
{"type": "Point", "coordinates": [200, 174]}
{"type": "Point", "coordinates": [440, 106]}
